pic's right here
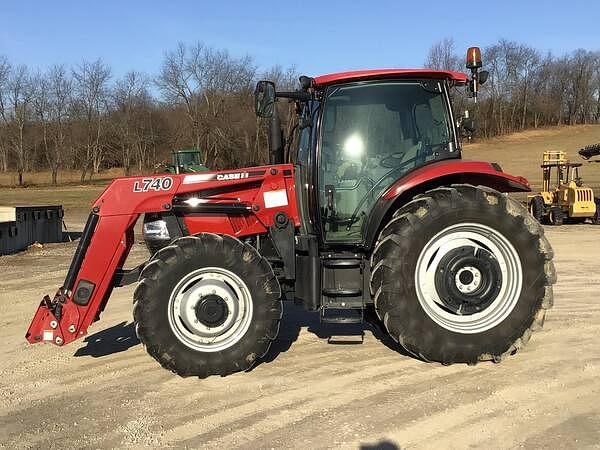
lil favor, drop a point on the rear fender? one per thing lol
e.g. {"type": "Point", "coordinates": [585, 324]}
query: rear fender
{"type": "Point", "coordinates": [442, 173]}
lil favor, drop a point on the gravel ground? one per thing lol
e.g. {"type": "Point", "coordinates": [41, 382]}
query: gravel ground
{"type": "Point", "coordinates": [105, 391]}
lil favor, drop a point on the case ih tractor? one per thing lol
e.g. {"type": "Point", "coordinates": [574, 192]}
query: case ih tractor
{"type": "Point", "coordinates": [372, 216]}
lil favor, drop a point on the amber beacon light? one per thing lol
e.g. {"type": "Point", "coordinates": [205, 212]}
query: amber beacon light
{"type": "Point", "coordinates": [473, 58]}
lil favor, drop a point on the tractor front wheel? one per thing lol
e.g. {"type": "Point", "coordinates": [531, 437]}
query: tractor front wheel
{"type": "Point", "coordinates": [462, 274]}
{"type": "Point", "coordinates": [537, 208]}
{"type": "Point", "coordinates": [207, 305]}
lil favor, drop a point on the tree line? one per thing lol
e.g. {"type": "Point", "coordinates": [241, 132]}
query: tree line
{"type": "Point", "coordinates": [83, 118]}
{"type": "Point", "coordinates": [528, 88]}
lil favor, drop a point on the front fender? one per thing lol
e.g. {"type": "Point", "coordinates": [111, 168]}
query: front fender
{"type": "Point", "coordinates": [440, 173]}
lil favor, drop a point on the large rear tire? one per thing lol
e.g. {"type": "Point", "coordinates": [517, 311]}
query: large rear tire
{"type": "Point", "coordinates": [207, 305]}
{"type": "Point", "coordinates": [462, 274]}
{"type": "Point", "coordinates": [557, 216]}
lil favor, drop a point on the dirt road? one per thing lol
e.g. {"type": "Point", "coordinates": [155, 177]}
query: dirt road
{"type": "Point", "coordinates": [107, 392]}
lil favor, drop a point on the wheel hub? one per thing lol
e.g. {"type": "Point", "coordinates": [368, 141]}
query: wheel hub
{"type": "Point", "coordinates": [211, 310]}
{"type": "Point", "coordinates": [468, 278]}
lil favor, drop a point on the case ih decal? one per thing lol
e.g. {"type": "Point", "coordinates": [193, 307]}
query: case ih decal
{"type": "Point", "coordinates": [202, 177]}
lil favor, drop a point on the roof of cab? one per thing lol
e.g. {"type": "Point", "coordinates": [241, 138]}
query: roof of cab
{"type": "Point", "coordinates": [380, 74]}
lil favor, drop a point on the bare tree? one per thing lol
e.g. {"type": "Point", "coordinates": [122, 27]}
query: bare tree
{"type": "Point", "coordinates": [200, 78]}
{"type": "Point", "coordinates": [131, 116]}
{"type": "Point", "coordinates": [4, 146]}
{"type": "Point", "coordinates": [51, 102]}
{"type": "Point", "coordinates": [15, 111]}
{"type": "Point", "coordinates": [442, 56]}
{"type": "Point", "coordinates": [91, 90]}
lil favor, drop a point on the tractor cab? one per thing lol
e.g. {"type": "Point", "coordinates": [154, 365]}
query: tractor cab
{"type": "Point", "coordinates": [186, 161]}
{"type": "Point", "coordinates": [359, 133]}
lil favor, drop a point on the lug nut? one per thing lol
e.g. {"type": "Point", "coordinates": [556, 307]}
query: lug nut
{"type": "Point", "coordinates": [71, 328]}
{"type": "Point", "coordinates": [53, 324]}
{"type": "Point", "coordinates": [58, 340]}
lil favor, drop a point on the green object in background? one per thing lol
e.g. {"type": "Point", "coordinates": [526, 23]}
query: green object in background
{"type": "Point", "coordinates": [186, 161]}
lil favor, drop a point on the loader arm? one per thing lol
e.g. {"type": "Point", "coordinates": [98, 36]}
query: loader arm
{"type": "Point", "coordinates": [256, 194]}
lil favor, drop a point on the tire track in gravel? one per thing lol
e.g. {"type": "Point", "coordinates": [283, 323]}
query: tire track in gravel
{"type": "Point", "coordinates": [515, 399]}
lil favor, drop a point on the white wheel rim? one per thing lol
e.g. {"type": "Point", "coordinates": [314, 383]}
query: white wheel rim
{"type": "Point", "coordinates": [482, 239]}
{"type": "Point", "coordinates": [188, 295]}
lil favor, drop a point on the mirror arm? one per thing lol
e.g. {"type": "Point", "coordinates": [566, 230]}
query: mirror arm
{"type": "Point", "coordinates": [275, 139]}
{"type": "Point", "coordinates": [297, 95]}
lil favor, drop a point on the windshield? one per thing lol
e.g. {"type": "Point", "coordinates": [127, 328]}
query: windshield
{"type": "Point", "coordinates": [371, 135]}
{"type": "Point", "coordinates": [186, 158]}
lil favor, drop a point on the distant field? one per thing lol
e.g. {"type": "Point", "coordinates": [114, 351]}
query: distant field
{"type": "Point", "coordinates": [71, 197]}
{"type": "Point", "coordinates": [519, 154]}
{"type": "Point", "coordinates": [44, 178]}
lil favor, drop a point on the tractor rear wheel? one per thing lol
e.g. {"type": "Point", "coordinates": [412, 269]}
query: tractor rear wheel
{"type": "Point", "coordinates": [462, 274]}
{"type": "Point", "coordinates": [207, 305]}
{"type": "Point", "coordinates": [557, 216]}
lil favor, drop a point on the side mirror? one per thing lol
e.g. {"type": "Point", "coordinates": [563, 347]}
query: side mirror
{"type": "Point", "coordinates": [264, 99]}
{"type": "Point", "coordinates": [468, 124]}
{"type": "Point", "coordinates": [483, 76]}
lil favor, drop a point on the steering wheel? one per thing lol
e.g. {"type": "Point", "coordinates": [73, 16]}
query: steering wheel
{"type": "Point", "coordinates": [377, 183]}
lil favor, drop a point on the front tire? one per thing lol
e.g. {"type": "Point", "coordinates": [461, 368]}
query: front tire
{"type": "Point", "coordinates": [462, 274]}
{"type": "Point", "coordinates": [537, 208]}
{"type": "Point", "coordinates": [207, 305]}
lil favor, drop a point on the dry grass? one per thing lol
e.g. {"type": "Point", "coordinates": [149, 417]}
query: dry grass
{"type": "Point", "coordinates": [73, 197]}
{"type": "Point", "coordinates": [44, 178]}
{"type": "Point", "coordinates": [521, 153]}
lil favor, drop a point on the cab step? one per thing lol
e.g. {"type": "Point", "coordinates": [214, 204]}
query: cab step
{"type": "Point", "coordinates": [341, 315]}
{"type": "Point", "coordinates": [341, 263]}
{"type": "Point", "coordinates": [342, 292]}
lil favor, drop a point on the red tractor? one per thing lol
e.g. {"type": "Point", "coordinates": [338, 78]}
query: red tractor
{"type": "Point", "coordinates": [373, 215]}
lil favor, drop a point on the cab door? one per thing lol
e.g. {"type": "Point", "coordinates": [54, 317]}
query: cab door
{"type": "Point", "coordinates": [372, 134]}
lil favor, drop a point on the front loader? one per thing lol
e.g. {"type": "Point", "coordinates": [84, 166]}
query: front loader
{"type": "Point", "coordinates": [372, 215]}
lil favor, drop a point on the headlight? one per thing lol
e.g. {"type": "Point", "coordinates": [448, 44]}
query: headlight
{"type": "Point", "coordinates": [156, 230]}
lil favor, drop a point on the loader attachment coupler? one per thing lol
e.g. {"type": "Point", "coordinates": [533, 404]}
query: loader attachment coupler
{"type": "Point", "coordinates": [78, 302]}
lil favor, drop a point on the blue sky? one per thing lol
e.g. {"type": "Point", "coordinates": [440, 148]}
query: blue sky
{"type": "Point", "coordinates": [318, 37]}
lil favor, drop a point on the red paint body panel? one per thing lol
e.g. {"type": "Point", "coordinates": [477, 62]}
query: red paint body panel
{"type": "Point", "coordinates": [121, 204]}
{"type": "Point", "coordinates": [471, 171]}
{"type": "Point", "coordinates": [360, 75]}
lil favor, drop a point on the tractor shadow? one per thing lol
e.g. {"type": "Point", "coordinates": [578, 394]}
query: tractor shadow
{"type": "Point", "coordinates": [70, 236]}
{"type": "Point", "coordinates": [122, 337]}
{"type": "Point", "coordinates": [115, 339]}
{"type": "Point", "coordinates": [295, 318]}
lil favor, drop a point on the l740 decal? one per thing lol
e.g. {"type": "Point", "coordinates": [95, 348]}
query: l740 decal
{"type": "Point", "coordinates": [153, 184]}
